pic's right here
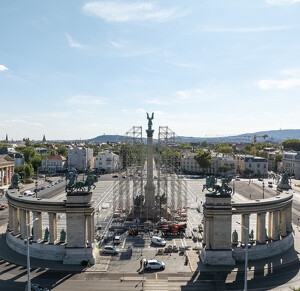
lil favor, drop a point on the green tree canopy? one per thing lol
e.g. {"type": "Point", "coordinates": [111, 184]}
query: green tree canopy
{"type": "Point", "coordinates": [203, 158]}
{"type": "Point", "coordinates": [39, 145]}
{"type": "Point", "coordinates": [293, 144]}
{"type": "Point", "coordinates": [28, 143]}
{"type": "Point", "coordinates": [223, 169]}
{"type": "Point", "coordinates": [2, 145]}
{"type": "Point", "coordinates": [29, 153]}
{"type": "Point", "coordinates": [224, 148]}
{"type": "Point", "coordinates": [28, 171]}
{"type": "Point", "coordinates": [20, 170]}
{"type": "Point", "coordinates": [36, 162]}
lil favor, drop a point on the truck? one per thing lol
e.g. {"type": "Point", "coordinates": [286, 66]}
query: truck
{"type": "Point", "coordinates": [173, 229]}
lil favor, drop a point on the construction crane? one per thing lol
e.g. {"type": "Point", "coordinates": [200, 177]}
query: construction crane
{"type": "Point", "coordinates": [254, 140]}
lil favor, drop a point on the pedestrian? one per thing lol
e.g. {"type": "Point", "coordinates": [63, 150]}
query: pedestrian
{"type": "Point", "coordinates": [130, 252]}
{"type": "Point", "coordinates": [141, 263]}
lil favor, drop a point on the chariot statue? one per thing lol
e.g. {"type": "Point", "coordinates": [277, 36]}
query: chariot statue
{"type": "Point", "coordinates": [211, 185]}
{"type": "Point", "coordinates": [74, 185]}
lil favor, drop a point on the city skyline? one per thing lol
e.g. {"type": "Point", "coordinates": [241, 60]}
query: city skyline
{"type": "Point", "coordinates": [79, 69]}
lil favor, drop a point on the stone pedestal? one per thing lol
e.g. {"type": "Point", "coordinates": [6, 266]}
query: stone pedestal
{"type": "Point", "coordinates": [217, 228]}
{"type": "Point", "coordinates": [80, 236]}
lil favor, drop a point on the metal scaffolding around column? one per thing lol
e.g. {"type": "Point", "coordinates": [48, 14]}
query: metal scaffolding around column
{"type": "Point", "coordinates": [171, 186]}
{"type": "Point", "coordinates": [129, 186]}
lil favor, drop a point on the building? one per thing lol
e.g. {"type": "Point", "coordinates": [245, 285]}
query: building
{"type": "Point", "coordinates": [257, 166]}
{"type": "Point", "coordinates": [54, 164]}
{"type": "Point", "coordinates": [7, 165]}
{"type": "Point", "coordinates": [189, 164]}
{"type": "Point", "coordinates": [41, 150]}
{"type": "Point", "coordinates": [18, 157]}
{"type": "Point", "coordinates": [80, 158]}
{"type": "Point", "coordinates": [291, 164]}
{"type": "Point", "coordinates": [107, 162]}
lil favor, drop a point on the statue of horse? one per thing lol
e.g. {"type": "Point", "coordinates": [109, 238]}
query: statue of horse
{"type": "Point", "coordinates": [210, 183]}
{"type": "Point", "coordinates": [72, 177]}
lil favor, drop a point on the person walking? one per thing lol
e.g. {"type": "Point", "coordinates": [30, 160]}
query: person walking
{"type": "Point", "coordinates": [141, 264]}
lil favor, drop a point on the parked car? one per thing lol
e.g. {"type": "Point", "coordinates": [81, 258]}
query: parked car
{"type": "Point", "coordinates": [260, 179]}
{"type": "Point", "coordinates": [115, 176]}
{"type": "Point", "coordinates": [270, 185]}
{"type": "Point", "coordinates": [28, 193]}
{"type": "Point", "coordinates": [43, 188]}
{"type": "Point", "coordinates": [158, 241]}
{"type": "Point", "coordinates": [110, 250]}
{"type": "Point", "coordinates": [155, 265]}
{"type": "Point", "coordinates": [3, 206]}
{"type": "Point", "coordinates": [117, 239]}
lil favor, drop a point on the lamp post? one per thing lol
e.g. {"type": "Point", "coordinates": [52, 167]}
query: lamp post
{"type": "Point", "coordinates": [263, 186]}
{"type": "Point", "coordinates": [28, 256]}
{"type": "Point", "coordinates": [246, 254]}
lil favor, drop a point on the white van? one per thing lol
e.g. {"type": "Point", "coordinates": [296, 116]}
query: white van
{"type": "Point", "coordinates": [28, 193]}
{"type": "Point", "coordinates": [158, 241]}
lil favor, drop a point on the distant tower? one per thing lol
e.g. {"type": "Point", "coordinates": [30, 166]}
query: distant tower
{"type": "Point", "coordinates": [6, 139]}
{"type": "Point", "coordinates": [44, 138]}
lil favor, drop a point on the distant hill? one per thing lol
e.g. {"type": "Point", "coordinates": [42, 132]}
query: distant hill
{"type": "Point", "coordinates": [274, 136]}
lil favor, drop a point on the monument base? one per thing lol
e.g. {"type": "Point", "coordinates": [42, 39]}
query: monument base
{"type": "Point", "coordinates": [217, 257]}
{"type": "Point", "coordinates": [74, 256]}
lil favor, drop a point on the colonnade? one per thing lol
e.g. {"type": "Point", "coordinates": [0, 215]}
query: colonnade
{"type": "Point", "coordinates": [19, 218]}
{"type": "Point", "coordinates": [6, 173]}
{"type": "Point", "coordinates": [279, 224]}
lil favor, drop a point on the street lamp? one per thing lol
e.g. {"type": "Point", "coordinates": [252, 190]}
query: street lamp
{"type": "Point", "coordinates": [246, 254]}
{"type": "Point", "coordinates": [28, 256]}
{"type": "Point", "coordinates": [263, 186]}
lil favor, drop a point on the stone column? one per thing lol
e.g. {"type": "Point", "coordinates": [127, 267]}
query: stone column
{"type": "Point", "coordinates": [28, 218]}
{"type": "Point", "coordinates": [89, 230]}
{"type": "Point", "coordinates": [275, 225]}
{"type": "Point", "coordinates": [261, 227]}
{"type": "Point", "coordinates": [52, 227]}
{"type": "Point", "coordinates": [9, 175]}
{"type": "Point", "coordinates": [23, 223]}
{"type": "Point", "coordinates": [15, 221]}
{"type": "Point", "coordinates": [245, 223]}
{"type": "Point", "coordinates": [11, 218]}
{"type": "Point", "coordinates": [289, 219]}
{"type": "Point", "coordinates": [37, 226]}
{"type": "Point", "coordinates": [207, 232]}
{"type": "Point", "coordinates": [283, 221]}
{"type": "Point", "coordinates": [270, 225]}
{"type": "Point", "coordinates": [2, 179]}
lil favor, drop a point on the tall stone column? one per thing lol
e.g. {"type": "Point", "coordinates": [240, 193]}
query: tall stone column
{"type": "Point", "coordinates": [2, 177]}
{"type": "Point", "coordinates": [270, 224]}
{"type": "Point", "coordinates": [15, 221]}
{"type": "Point", "coordinates": [275, 222]}
{"type": "Point", "coordinates": [23, 223]}
{"type": "Point", "coordinates": [11, 218]}
{"type": "Point", "coordinates": [37, 226]}
{"type": "Point", "coordinates": [289, 219]}
{"type": "Point", "coordinates": [245, 222]}
{"type": "Point", "coordinates": [9, 175]}
{"type": "Point", "coordinates": [283, 221]}
{"type": "Point", "coordinates": [89, 229]}
{"type": "Point", "coordinates": [149, 187]}
{"type": "Point", "coordinates": [261, 227]}
{"type": "Point", "coordinates": [52, 227]}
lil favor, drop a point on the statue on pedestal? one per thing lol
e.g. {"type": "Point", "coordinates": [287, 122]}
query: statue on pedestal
{"type": "Point", "coordinates": [284, 183]}
{"type": "Point", "coordinates": [46, 236]}
{"type": "Point", "coordinates": [15, 181]}
{"type": "Point", "coordinates": [63, 236]}
{"type": "Point", "coordinates": [150, 120]}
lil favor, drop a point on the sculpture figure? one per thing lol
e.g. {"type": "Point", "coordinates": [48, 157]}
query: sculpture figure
{"type": "Point", "coordinates": [211, 185]}
{"type": "Point", "coordinates": [15, 181]}
{"type": "Point", "coordinates": [284, 178]}
{"type": "Point", "coordinates": [235, 237]}
{"type": "Point", "coordinates": [150, 120]}
{"type": "Point", "coordinates": [284, 183]}
{"type": "Point", "coordinates": [63, 236]}
{"type": "Point", "coordinates": [72, 177]}
{"type": "Point", "coordinates": [46, 236]}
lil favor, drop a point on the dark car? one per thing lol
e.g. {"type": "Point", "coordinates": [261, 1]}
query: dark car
{"type": "Point", "coordinates": [42, 188]}
{"type": "Point", "coordinates": [115, 176]}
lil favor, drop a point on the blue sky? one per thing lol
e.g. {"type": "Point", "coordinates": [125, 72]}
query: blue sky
{"type": "Point", "coordinates": [78, 69]}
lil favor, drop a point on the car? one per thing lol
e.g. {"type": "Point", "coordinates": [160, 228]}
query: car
{"type": "Point", "coordinates": [115, 176]}
{"type": "Point", "coordinates": [36, 190]}
{"type": "Point", "coordinates": [260, 179]}
{"type": "Point", "coordinates": [110, 250]}
{"type": "Point", "coordinates": [155, 265]}
{"type": "Point", "coordinates": [237, 179]}
{"type": "Point", "coordinates": [117, 239]}
{"type": "Point", "coordinates": [43, 188]}
{"type": "Point", "coordinates": [158, 241]}
{"type": "Point", "coordinates": [28, 193]}
{"type": "Point", "coordinates": [270, 185]}
{"type": "Point", "coordinates": [3, 206]}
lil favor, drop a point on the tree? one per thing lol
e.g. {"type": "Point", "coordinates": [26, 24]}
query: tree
{"type": "Point", "coordinates": [39, 145]}
{"type": "Point", "coordinates": [28, 153]}
{"type": "Point", "coordinates": [61, 150]}
{"type": "Point", "coordinates": [28, 143]}
{"type": "Point", "coordinates": [224, 148]}
{"type": "Point", "coordinates": [203, 158]}
{"type": "Point", "coordinates": [247, 149]}
{"type": "Point", "coordinates": [247, 171]}
{"type": "Point", "coordinates": [36, 162]}
{"type": "Point", "coordinates": [277, 159]}
{"type": "Point", "coordinates": [20, 170]}
{"type": "Point", "coordinates": [28, 171]}
{"type": "Point", "coordinates": [223, 169]}
{"type": "Point", "coordinates": [2, 145]}
{"type": "Point", "coordinates": [263, 154]}
{"type": "Point", "coordinates": [293, 144]}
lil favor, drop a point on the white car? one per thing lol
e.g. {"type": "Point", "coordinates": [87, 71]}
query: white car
{"type": "Point", "coordinates": [117, 239]}
{"type": "Point", "coordinates": [110, 250]}
{"type": "Point", "coordinates": [155, 265]}
{"type": "Point", "coordinates": [158, 241]}
{"type": "Point", "coordinates": [29, 193]}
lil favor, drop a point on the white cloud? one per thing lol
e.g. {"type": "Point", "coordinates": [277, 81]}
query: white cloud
{"type": "Point", "coordinates": [244, 29]}
{"type": "Point", "coordinates": [73, 43]}
{"type": "Point", "coordinates": [3, 68]}
{"type": "Point", "coordinates": [114, 11]}
{"type": "Point", "coordinates": [196, 95]}
{"type": "Point", "coordinates": [281, 2]}
{"type": "Point", "coordinates": [118, 44]}
{"type": "Point", "coordinates": [141, 111]}
{"type": "Point", "coordinates": [85, 100]}
{"type": "Point", "coordinates": [278, 84]}
{"type": "Point", "coordinates": [155, 101]}
{"type": "Point", "coordinates": [182, 65]}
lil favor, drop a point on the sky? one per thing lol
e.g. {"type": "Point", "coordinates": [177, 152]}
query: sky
{"type": "Point", "coordinates": [78, 69]}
